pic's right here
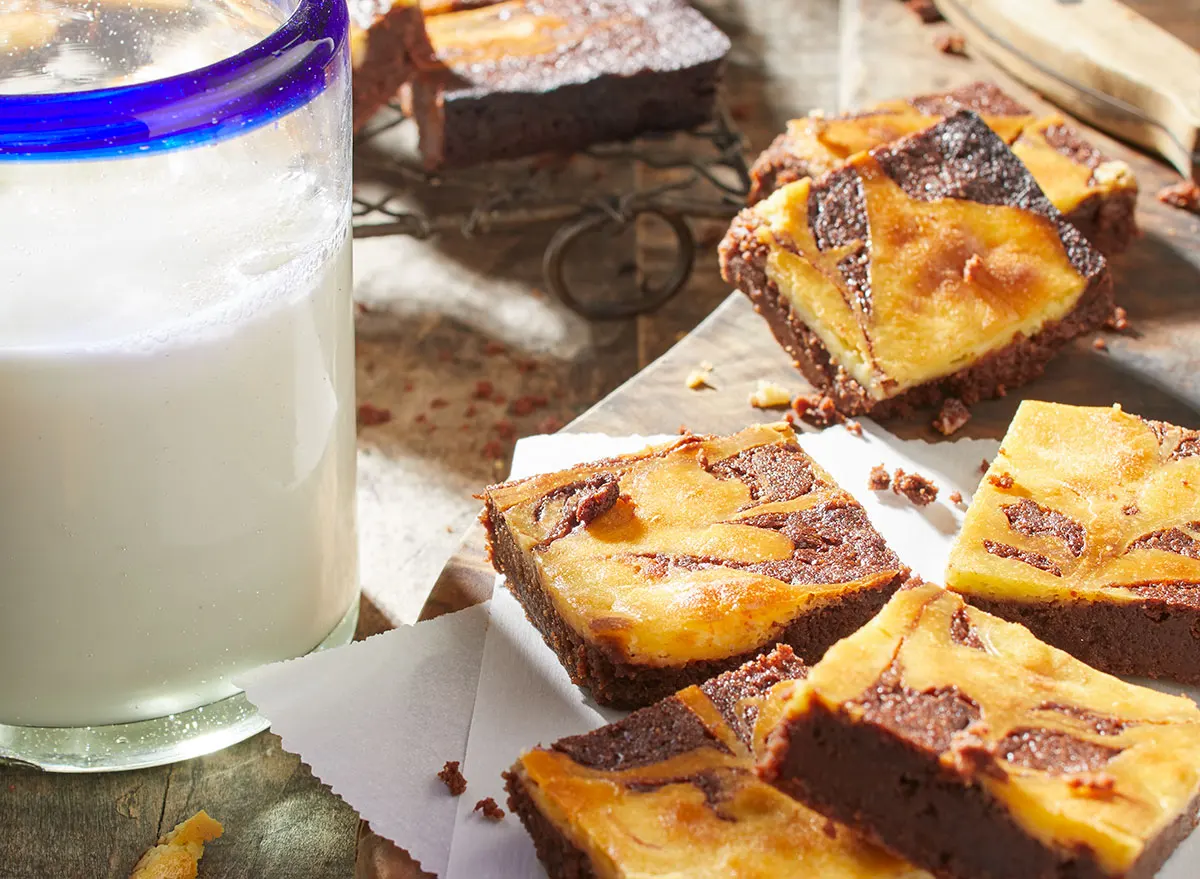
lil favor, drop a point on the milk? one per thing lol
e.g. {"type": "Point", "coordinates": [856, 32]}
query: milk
{"type": "Point", "coordinates": [176, 421]}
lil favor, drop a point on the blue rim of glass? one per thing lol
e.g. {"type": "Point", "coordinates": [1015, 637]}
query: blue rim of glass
{"type": "Point", "coordinates": [246, 91]}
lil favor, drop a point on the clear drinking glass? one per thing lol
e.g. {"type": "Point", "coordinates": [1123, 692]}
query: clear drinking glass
{"type": "Point", "coordinates": [176, 367]}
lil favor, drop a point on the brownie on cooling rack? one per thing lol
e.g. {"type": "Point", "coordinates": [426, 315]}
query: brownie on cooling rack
{"type": "Point", "coordinates": [1086, 529]}
{"type": "Point", "coordinates": [927, 268]}
{"type": "Point", "coordinates": [653, 571]}
{"type": "Point", "coordinates": [961, 742]}
{"type": "Point", "coordinates": [1096, 194]}
{"type": "Point", "coordinates": [681, 773]}
{"type": "Point", "coordinates": [518, 77]}
{"type": "Point", "coordinates": [387, 37]}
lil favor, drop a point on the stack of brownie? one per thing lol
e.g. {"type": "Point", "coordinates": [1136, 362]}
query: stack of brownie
{"type": "Point", "coordinates": [809, 709]}
{"type": "Point", "coordinates": [940, 248]}
{"type": "Point", "coordinates": [502, 79]}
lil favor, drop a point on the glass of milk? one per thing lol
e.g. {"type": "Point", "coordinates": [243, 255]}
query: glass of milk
{"type": "Point", "coordinates": [176, 367]}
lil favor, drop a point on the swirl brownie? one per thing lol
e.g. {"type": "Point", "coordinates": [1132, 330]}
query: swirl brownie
{"type": "Point", "coordinates": [680, 773]}
{"type": "Point", "coordinates": [653, 571]}
{"type": "Point", "coordinates": [1086, 529]}
{"type": "Point", "coordinates": [521, 77]}
{"type": "Point", "coordinates": [926, 268]}
{"type": "Point", "coordinates": [387, 37]}
{"type": "Point", "coordinates": [962, 743]}
{"type": "Point", "coordinates": [1096, 194]}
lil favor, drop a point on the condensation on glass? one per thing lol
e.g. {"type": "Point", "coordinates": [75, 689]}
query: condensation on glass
{"type": "Point", "coordinates": [176, 367]}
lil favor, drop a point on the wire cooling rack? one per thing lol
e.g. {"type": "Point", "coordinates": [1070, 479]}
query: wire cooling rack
{"type": "Point", "coordinates": [703, 175]}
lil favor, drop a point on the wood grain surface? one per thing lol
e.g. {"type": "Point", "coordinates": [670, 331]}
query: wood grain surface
{"type": "Point", "coordinates": [790, 56]}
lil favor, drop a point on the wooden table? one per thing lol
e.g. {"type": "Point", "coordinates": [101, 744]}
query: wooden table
{"type": "Point", "coordinates": [790, 55]}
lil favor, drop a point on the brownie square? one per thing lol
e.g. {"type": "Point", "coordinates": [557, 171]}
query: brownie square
{"type": "Point", "coordinates": [387, 37]}
{"type": "Point", "coordinates": [653, 571]}
{"type": "Point", "coordinates": [926, 268]}
{"type": "Point", "coordinates": [521, 77]}
{"type": "Point", "coordinates": [670, 791]}
{"type": "Point", "coordinates": [1095, 193]}
{"type": "Point", "coordinates": [1086, 529]}
{"type": "Point", "coordinates": [964, 744]}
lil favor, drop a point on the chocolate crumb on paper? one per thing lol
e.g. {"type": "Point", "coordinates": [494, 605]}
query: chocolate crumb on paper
{"type": "Point", "coordinates": [1099, 344]}
{"type": "Point", "coordinates": [955, 497]}
{"type": "Point", "coordinates": [879, 479]}
{"type": "Point", "coordinates": [488, 808]}
{"type": "Point", "coordinates": [453, 778]}
{"type": "Point", "coordinates": [817, 409]}
{"type": "Point", "coordinates": [926, 10]}
{"type": "Point", "coordinates": [951, 417]}
{"type": "Point", "coordinates": [920, 490]}
{"type": "Point", "coordinates": [853, 427]}
{"type": "Point", "coordinates": [952, 44]}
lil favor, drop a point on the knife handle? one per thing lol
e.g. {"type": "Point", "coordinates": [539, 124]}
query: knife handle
{"type": "Point", "coordinates": [1101, 61]}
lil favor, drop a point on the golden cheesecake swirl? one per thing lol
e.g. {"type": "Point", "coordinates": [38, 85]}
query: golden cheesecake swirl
{"type": "Point", "coordinates": [705, 548]}
{"type": "Point", "coordinates": [1080, 760]}
{"type": "Point", "coordinates": [1084, 502]}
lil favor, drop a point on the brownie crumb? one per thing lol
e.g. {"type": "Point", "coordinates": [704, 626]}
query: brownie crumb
{"type": "Point", "coordinates": [879, 480]}
{"type": "Point", "coordinates": [955, 497]}
{"type": "Point", "coordinates": [952, 44]}
{"type": "Point", "coordinates": [370, 416]}
{"type": "Point", "coordinates": [829, 828]}
{"type": "Point", "coordinates": [926, 10]}
{"type": "Point", "coordinates": [1130, 509]}
{"type": "Point", "coordinates": [484, 390]}
{"type": "Point", "coordinates": [817, 409]}
{"type": "Point", "coordinates": [698, 377]}
{"type": "Point", "coordinates": [1184, 195]}
{"type": "Point", "coordinates": [1003, 481]}
{"type": "Point", "coordinates": [488, 808]}
{"type": "Point", "coordinates": [984, 465]}
{"type": "Point", "coordinates": [452, 778]}
{"type": "Point", "coordinates": [769, 395]}
{"type": "Point", "coordinates": [853, 427]}
{"type": "Point", "coordinates": [1119, 321]}
{"type": "Point", "coordinates": [919, 489]}
{"type": "Point", "coordinates": [1099, 344]}
{"type": "Point", "coordinates": [952, 416]}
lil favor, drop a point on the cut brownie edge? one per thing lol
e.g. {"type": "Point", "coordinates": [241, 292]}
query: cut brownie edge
{"type": "Point", "coordinates": [743, 263]}
{"type": "Point", "coordinates": [621, 684]}
{"type": "Point", "coordinates": [560, 857]}
{"type": "Point", "coordinates": [804, 760]}
{"type": "Point", "coordinates": [1151, 638]}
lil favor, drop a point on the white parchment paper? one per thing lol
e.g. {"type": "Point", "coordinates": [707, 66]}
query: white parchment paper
{"type": "Point", "coordinates": [376, 720]}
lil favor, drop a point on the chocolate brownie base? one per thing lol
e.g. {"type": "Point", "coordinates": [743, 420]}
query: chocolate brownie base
{"type": "Point", "coordinates": [931, 817]}
{"type": "Point", "coordinates": [657, 71]}
{"type": "Point", "coordinates": [621, 684]}
{"type": "Point", "coordinates": [953, 160]}
{"type": "Point", "coordinates": [1156, 637]}
{"type": "Point", "coordinates": [560, 857]}
{"type": "Point", "coordinates": [462, 130]}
